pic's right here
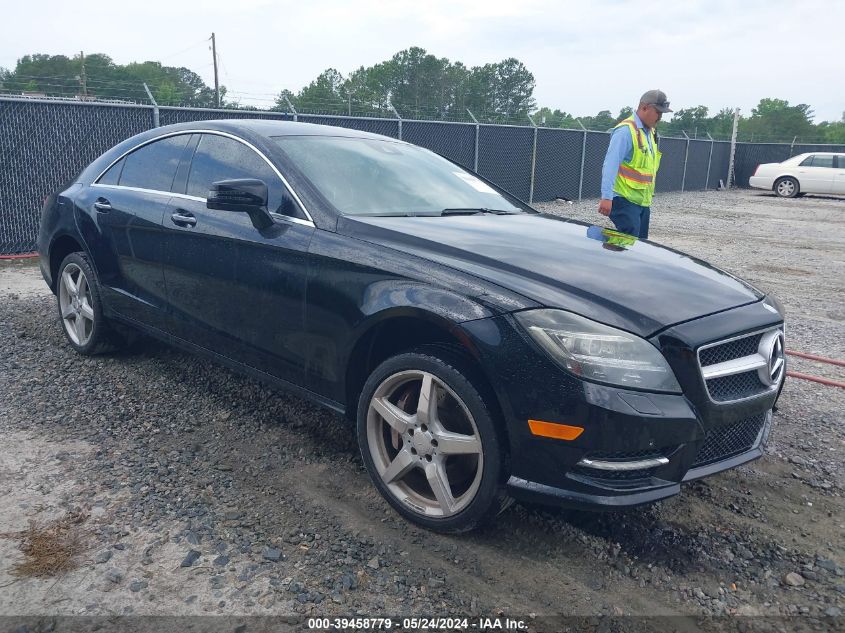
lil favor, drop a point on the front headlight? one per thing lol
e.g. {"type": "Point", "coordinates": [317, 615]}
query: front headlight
{"type": "Point", "coordinates": [599, 352]}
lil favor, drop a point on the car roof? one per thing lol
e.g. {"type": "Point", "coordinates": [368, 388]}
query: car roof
{"type": "Point", "coordinates": [271, 128]}
{"type": "Point", "coordinates": [260, 132]}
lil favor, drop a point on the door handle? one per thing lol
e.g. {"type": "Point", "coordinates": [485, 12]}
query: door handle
{"type": "Point", "coordinates": [180, 218]}
{"type": "Point", "coordinates": [102, 205]}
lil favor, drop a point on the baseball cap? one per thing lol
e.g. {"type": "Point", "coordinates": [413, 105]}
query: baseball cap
{"type": "Point", "coordinates": [658, 99]}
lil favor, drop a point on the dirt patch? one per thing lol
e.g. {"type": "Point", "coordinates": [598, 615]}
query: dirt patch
{"type": "Point", "coordinates": [50, 549]}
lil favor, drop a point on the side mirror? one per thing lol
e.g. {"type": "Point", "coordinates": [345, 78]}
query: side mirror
{"type": "Point", "coordinates": [247, 195]}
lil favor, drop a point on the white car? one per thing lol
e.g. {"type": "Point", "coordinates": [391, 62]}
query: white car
{"type": "Point", "coordinates": [816, 172]}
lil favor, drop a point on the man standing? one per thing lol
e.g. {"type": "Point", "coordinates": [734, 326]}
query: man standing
{"type": "Point", "coordinates": [630, 166]}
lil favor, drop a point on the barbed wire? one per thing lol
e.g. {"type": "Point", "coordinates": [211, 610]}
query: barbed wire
{"type": "Point", "coordinates": [129, 91]}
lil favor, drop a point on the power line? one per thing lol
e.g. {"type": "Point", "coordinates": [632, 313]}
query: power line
{"type": "Point", "coordinates": [185, 50]}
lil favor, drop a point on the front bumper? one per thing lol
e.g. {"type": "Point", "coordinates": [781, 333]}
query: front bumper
{"type": "Point", "coordinates": [691, 435]}
{"type": "Point", "coordinates": [611, 494]}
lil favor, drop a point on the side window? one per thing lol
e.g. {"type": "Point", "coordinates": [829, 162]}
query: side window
{"type": "Point", "coordinates": [807, 162]}
{"type": "Point", "coordinates": [222, 158]}
{"type": "Point", "coordinates": [112, 176]}
{"type": "Point", "coordinates": [841, 159]}
{"type": "Point", "coordinates": [153, 166]}
{"type": "Point", "coordinates": [822, 161]}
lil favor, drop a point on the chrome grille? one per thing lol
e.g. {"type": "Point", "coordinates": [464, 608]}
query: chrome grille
{"type": "Point", "coordinates": [731, 350]}
{"type": "Point", "coordinates": [728, 441]}
{"type": "Point", "coordinates": [743, 367]}
{"type": "Point", "coordinates": [735, 386]}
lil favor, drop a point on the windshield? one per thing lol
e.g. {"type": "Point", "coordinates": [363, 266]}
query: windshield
{"type": "Point", "coordinates": [373, 177]}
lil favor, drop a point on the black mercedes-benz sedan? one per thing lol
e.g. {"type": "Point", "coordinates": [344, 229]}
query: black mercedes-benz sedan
{"type": "Point", "coordinates": [483, 350]}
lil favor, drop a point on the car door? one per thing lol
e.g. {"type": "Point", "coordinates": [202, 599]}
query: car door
{"type": "Point", "coordinates": [816, 174]}
{"type": "Point", "coordinates": [232, 288]}
{"type": "Point", "coordinates": [128, 203]}
{"type": "Point", "coordinates": [839, 179]}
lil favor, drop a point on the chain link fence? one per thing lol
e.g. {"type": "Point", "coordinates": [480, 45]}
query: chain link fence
{"type": "Point", "coordinates": [42, 148]}
{"type": "Point", "coordinates": [45, 144]}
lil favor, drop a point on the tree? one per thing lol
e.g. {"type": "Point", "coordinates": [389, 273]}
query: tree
{"type": "Point", "coordinates": [514, 89]}
{"type": "Point", "coordinates": [721, 125]}
{"type": "Point", "coordinates": [694, 121]}
{"type": "Point", "coordinates": [602, 121]}
{"type": "Point", "coordinates": [324, 94]}
{"type": "Point", "coordinates": [833, 131]}
{"type": "Point", "coordinates": [419, 81]}
{"type": "Point", "coordinates": [624, 113]}
{"type": "Point", "coordinates": [282, 103]}
{"type": "Point", "coordinates": [63, 76]}
{"type": "Point", "coordinates": [421, 85]}
{"type": "Point", "coordinates": [775, 119]}
{"type": "Point", "coordinates": [545, 117]}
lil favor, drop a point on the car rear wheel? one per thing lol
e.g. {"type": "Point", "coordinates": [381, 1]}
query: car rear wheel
{"type": "Point", "coordinates": [429, 441]}
{"type": "Point", "coordinates": [787, 187]}
{"type": "Point", "coordinates": [80, 308]}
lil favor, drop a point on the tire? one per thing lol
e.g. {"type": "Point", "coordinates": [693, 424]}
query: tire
{"type": "Point", "coordinates": [81, 309]}
{"type": "Point", "coordinates": [454, 447]}
{"type": "Point", "coordinates": [787, 187]}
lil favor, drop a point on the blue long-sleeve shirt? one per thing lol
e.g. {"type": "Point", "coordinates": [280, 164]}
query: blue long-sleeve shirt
{"type": "Point", "coordinates": [621, 149]}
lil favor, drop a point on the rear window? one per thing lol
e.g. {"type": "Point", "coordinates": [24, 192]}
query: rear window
{"type": "Point", "coordinates": [818, 160]}
{"type": "Point", "coordinates": [112, 176]}
{"type": "Point", "coordinates": [154, 166]}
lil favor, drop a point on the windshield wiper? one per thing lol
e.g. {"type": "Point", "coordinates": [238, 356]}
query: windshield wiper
{"type": "Point", "coordinates": [474, 210]}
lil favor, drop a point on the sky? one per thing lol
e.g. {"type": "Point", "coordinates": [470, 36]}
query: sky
{"type": "Point", "coordinates": [586, 56]}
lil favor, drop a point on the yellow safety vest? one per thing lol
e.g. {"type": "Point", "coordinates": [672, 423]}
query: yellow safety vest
{"type": "Point", "coordinates": [635, 179]}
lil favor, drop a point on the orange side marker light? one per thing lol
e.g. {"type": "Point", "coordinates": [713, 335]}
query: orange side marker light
{"type": "Point", "coordinates": [554, 430]}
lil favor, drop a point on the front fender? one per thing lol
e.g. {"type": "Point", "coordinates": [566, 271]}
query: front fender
{"type": "Point", "coordinates": [387, 298]}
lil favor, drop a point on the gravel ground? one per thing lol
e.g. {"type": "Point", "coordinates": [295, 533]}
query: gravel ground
{"type": "Point", "coordinates": [204, 492]}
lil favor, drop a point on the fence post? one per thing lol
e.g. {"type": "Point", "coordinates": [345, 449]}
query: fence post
{"type": "Point", "coordinates": [792, 145]}
{"type": "Point", "coordinates": [477, 130]}
{"type": "Point", "coordinates": [533, 161]}
{"type": "Point", "coordinates": [290, 105]}
{"type": "Point", "coordinates": [583, 156]}
{"type": "Point", "coordinates": [686, 158]}
{"type": "Point", "coordinates": [709, 162]}
{"type": "Point", "coordinates": [156, 122]}
{"type": "Point", "coordinates": [397, 116]}
{"type": "Point", "coordinates": [733, 150]}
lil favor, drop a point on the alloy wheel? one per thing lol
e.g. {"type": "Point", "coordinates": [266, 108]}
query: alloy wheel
{"type": "Point", "coordinates": [76, 305]}
{"type": "Point", "coordinates": [424, 443]}
{"type": "Point", "coordinates": [786, 188]}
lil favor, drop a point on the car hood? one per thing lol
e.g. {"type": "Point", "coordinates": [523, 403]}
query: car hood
{"type": "Point", "coordinates": [632, 284]}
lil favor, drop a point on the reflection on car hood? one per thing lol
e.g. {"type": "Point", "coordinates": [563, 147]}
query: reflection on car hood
{"type": "Point", "coordinates": [639, 286]}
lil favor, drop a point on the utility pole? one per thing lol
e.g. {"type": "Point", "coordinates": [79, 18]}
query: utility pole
{"type": "Point", "coordinates": [83, 79]}
{"type": "Point", "coordinates": [216, 82]}
{"type": "Point", "coordinates": [733, 149]}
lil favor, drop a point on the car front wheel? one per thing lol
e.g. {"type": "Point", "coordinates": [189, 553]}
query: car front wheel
{"type": "Point", "coordinates": [429, 441]}
{"type": "Point", "coordinates": [787, 187]}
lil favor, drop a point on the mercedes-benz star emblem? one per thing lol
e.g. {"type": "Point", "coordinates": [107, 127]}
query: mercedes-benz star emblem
{"type": "Point", "coordinates": [772, 349]}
